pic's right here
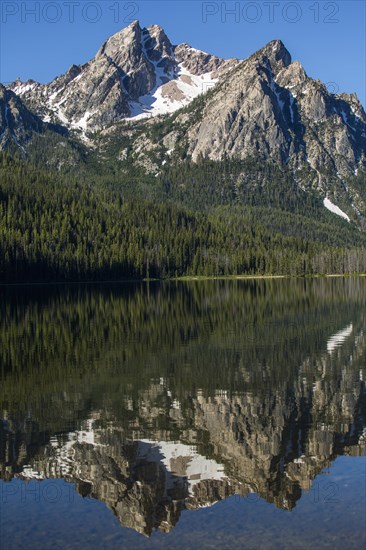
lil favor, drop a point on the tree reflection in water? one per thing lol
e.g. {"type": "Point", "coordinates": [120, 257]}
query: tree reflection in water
{"type": "Point", "coordinates": [160, 397]}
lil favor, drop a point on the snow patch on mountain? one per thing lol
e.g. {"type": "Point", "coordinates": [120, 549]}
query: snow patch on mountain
{"type": "Point", "coordinates": [23, 88]}
{"type": "Point", "coordinates": [172, 95]}
{"type": "Point", "coordinates": [335, 209]}
{"type": "Point", "coordinates": [82, 123]}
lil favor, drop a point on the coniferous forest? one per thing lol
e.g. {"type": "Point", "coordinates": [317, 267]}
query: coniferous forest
{"type": "Point", "coordinates": [60, 227]}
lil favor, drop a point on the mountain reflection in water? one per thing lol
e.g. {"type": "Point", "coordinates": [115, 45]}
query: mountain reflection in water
{"type": "Point", "coordinates": [160, 397]}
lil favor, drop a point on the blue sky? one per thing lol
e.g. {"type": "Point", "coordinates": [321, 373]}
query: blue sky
{"type": "Point", "coordinates": [41, 39]}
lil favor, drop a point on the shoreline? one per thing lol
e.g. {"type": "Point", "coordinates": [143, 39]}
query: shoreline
{"type": "Point", "coordinates": [184, 278]}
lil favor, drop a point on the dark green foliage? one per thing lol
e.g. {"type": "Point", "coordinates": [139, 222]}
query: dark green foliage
{"type": "Point", "coordinates": [54, 228]}
{"type": "Point", "coordinates": [50, 332]}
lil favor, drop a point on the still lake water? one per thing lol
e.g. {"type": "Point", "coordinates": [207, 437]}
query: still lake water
{"type": "Point", "coordinates": [220, 414]}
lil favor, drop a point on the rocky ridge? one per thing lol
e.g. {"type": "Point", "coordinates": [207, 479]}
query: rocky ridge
{"type": "Point", "coordinates": [265, 108]}
{"type": "Point", "coordinates": [268, 107]}
{"type": "Point", "coordinates": [17, 123]}
{"type": "Point", "coordinates": [136, 73]}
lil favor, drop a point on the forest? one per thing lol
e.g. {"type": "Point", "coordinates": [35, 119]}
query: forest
{"type": "Point", "coordinates": [58, 227]}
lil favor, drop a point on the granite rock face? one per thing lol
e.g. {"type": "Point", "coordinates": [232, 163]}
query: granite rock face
{"type": "Point", "coordinates": [17, 123]}
{"type": "Point", "coordinates": [265, 108]}
{"type": "Point", "coordinates": [131, 64]}
{"type": "Point", "coordinates": [268, 107]}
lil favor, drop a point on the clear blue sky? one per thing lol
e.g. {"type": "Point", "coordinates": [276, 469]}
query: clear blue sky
{"type": "Point", "coordinates": [327, 37]}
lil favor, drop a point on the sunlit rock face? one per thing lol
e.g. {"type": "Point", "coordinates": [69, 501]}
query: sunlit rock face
{"type": "Point", "coordinates": [128, 77]}
{"type": "Point", "coordinates": [153, 99]}
{"type": "Point", "coordinates": [269, 107]}
{"type": "Point", "coordinates": [265, 105]}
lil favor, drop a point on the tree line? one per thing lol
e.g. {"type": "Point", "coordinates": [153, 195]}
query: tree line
{"type": "Point", "coordinates": [55, 228]}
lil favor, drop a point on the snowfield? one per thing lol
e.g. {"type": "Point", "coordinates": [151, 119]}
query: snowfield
{"type": "Point", "coordinates": [335, 209]}
{"type": "Point", "coordinates": [155, 103]}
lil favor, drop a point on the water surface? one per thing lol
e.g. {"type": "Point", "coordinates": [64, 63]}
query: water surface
{"type": "Point", "coordinates": [212, 414]}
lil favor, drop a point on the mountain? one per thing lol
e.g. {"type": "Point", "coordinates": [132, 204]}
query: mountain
{"type": "Point", "coordinates": [268, 109]}
{"type": "Point", "coordinates": [136, 73]}
{"type": "Point", "coordinates": [264, 108]}
{"type": "Point", "coordinates": [17, 123]}
{"type": "Point", "coordinates": [274, 162]}
{"type": "Point", "coordinates": [268, 106]}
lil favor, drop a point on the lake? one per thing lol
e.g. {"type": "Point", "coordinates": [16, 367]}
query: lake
{"type": "Point", "coordinates": [201, 414]}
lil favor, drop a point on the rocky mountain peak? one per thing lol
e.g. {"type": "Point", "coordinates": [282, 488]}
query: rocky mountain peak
{"type": "Point", "coordinates": [292, 75]}
{"type": "Point", "coordinates": [199, 62]}
{"type": "Point", "coordinates": [355, 104]}
{"type": "Point", "coordinates": [137, 72]}
{"type": "Point", "coordinates": [264, 106]}
{"type": "Point", "coordinates": [73, 72]}
{"type": "Point", "coordinates": [15, 84]}
{"type": "Point", "coordinates": [125, 41]}
{"type": "Point", "coordinates": [277, 54]}
{"type": "Point", "coordinates": [156, 32]}
{"type": "Point", "coordinates": [158, 48]}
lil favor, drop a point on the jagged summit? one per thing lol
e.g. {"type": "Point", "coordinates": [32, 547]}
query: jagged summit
{"type": "Point", "coordinates": [137, 72]}
{"type": "Point", "coordinates": [264, 106]}
{"type": "Point", "coordinates": [126, 37]}
{"type": "Point", "coordinates": [277, 52]}
{"type": "Point", "coordinates": [269, 107]}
